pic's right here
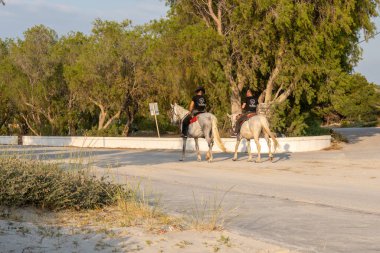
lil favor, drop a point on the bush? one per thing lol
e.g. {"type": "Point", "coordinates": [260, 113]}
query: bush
{"type": "Point", "coordinates": [290, 120]}
{"type": "Point", "coordinates": [112, 131]}
{"type": "Point", "coordinates": [144, 123]}
{"type": "Point", "coordinates": [33, 183]}
{"type": "Point", "coordinates": [338, 137]}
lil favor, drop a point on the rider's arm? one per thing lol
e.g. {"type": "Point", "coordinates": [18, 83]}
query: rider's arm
{"type": "Point", "coordinates": [191, 107]}
{"type": "Point", "coordinates": [242, 106]}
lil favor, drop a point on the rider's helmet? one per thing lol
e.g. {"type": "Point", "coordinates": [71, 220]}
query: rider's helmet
{"type": "Point", "coordinates": [200, 88]}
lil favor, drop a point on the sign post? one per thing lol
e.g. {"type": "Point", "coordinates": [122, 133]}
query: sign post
{"type": "Point", "coordinates": [153, 107]}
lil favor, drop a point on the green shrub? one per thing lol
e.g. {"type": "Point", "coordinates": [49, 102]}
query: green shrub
{"type": "Point", "coordinates": [292, 121]}
{"type": "Point", "coordinates": [113, 131]}
{"type": "Point", "coordinates": [144, 123]}
{"type": "Point", "coordinates": [338, 137]}
{"type": "Point", "coordinates": [33, 183]}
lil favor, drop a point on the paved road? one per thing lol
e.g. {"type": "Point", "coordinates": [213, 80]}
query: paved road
{"type": "Point", "coordinates": [326, 201]}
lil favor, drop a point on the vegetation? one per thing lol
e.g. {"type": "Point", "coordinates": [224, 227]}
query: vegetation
{"type": "Point", "coordinates": [298, 56]}
{"type": "Point", "coordinates": [33, 183]}
{"type": "Point", "coordinates": [80, 196]}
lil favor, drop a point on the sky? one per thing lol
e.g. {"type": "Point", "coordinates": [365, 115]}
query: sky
{"type": "Point", "coordinates": [77, 15]}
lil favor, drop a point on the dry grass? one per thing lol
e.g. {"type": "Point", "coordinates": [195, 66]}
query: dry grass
{"type": "Point", "coordinates": [334, 146]}
{"type": "Point", "coordinates": [80, 199]}
{"type": "Point", "coordinates": [208, 214]}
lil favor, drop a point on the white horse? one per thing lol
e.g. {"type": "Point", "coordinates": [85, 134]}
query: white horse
{"type": "Point", "coordinates": [251, 129]}
{"type": "Point", "coordinates": [205, 127]}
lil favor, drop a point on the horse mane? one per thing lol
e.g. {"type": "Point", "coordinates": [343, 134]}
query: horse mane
{"type": "Point", "coordinates": [181, 110]}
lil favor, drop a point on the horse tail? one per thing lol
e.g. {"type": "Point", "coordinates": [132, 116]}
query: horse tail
{"type": "Point", "coordinates": [215, 133]}
{"type": "Point", "coordinates": [265, 125]}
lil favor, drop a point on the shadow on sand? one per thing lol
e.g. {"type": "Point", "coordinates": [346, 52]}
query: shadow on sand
{"type": "Point", "coordinates": [113, 158]}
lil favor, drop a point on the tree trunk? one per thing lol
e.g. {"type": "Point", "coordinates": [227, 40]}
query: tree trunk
{"type": "Point", "coordinates": [235, 99]}
{"type": "Point", "coordinates": [102, 119]}
{"type": "Point", "coordinates": [109, 122]}
{"type": "Point", "coordinates": [264, 109]}
{"type": "Point", "coordinates": [35, 132]}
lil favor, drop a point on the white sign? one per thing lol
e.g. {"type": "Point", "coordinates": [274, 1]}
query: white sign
{"type": "Point", "coordinates": [153, 107]}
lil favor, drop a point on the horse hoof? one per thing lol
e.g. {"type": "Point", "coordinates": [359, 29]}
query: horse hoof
{"type": "Point", "coordinates": [181, 159]}
{"type": "Point", "coordinates": [209, 161]}
{"type": "Point", "coordinates": [234, 159]}
{"type": "Point", "coordinates": [271, 159]}
{"type": "Point", "coordinates": [249, 160]}
{"type": "Point", "coordinates": [199, 160]}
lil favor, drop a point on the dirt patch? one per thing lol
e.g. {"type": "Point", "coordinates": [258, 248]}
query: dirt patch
{"type": "Point", "coordinates": [31, 230]}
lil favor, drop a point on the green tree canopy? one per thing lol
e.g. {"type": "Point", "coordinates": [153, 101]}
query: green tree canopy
{"type": "Point", "coordinates": [282, 48]}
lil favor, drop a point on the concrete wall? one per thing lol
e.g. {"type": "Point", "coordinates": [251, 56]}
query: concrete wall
{"type": "Point", "coordinates": [294, 144]}
{"type": "Point", "coordinates": [8, 140]}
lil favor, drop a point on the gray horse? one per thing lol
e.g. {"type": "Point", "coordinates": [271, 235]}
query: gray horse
{"type": "Point", "coordinates": [205, 127]}
{"type": "Point", "coordinates": [251, 129]}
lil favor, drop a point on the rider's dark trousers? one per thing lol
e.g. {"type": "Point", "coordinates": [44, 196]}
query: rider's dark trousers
{"type": "Point", "coordinates": [240, 121]}
{"type": "Point", "coordinates": [186, 123]}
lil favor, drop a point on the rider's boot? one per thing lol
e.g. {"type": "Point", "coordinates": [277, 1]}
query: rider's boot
{"type": "Point", "coordinates": [185, 130]}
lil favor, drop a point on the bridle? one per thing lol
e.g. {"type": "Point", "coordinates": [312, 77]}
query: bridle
{"type": "Point", "coordinates": [233, 120]}
{"type": "Point", "coordinates": [179, 122]}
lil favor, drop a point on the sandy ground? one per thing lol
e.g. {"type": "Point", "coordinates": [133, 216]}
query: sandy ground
{"type": "Point", "coordinates": [34, 231]}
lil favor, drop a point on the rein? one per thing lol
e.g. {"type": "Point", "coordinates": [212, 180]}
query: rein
{"type": "Point", "coordinates": [184, 117]}
{"type": "Point", "coordinates": [181, 120]}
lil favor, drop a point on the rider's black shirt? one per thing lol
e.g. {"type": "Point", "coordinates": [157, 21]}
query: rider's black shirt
{"type": "Point", "coordinates": [250, 104]}
{"type": "Point", "coordinates": [199, 102]}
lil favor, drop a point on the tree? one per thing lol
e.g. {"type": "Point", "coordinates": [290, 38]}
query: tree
{"type": "Point", "coordinates": [107, 75]}
{"type": "Point", "coordinates": [7, 110]}
{"type": "Point", "coordinates": [182, 58]}
{"type": "Point", "coordinates": [350, 98]}
{"type": "Point", "coordinates": [41, 93]}
{"type": "Point", "coordinates": [77, 116]}
{"type": "Point", "coordinates": [281, 48]}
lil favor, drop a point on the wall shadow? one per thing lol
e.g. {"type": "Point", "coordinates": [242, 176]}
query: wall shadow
{"type": "Point", "coordinates": [355, 135]}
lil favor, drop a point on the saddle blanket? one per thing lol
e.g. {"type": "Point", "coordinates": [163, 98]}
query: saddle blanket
{"type": "Point", "coordinates": [193, 120]}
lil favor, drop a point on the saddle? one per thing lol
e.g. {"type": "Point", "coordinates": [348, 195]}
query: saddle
{"type": "Point", "coordinates": [250, 115]}
{"type": "Point", "coordinates": [246, 117]}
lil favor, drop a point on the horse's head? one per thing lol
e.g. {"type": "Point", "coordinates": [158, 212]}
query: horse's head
{"type": "Point", "coordinates": [177, 113]}
{"type": "Point", "coordinates": [174, 115]}
{"type": "Point", "coordinates": [233, 118]}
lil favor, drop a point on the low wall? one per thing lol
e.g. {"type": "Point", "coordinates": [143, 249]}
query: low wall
{"type": "Point", "coordinates": [293, 144]}
{"type": "Point", "coordinates": [8, 140]}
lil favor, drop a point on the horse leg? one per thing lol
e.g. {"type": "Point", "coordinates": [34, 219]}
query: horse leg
{"type": "Point", "coordinates": [238, 139]}
{"type": "Point", "coordinates": [256, 137]}
{"type": "Point", "coordinates": [266, 136]}
{"type": "Point", "coordinates": [199, 157]}
{"type": "Point", "coordinates": [210, 142]}
{"type": "Point", "coordinates": [183, 149]}
{"type": "Point", "coordinates": [249, 150]}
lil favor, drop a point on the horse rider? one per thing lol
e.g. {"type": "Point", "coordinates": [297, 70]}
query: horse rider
{"type": "Point", "coordinates": [197, 106]}
{"type": "Point", "coordinates": [249, 107]}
